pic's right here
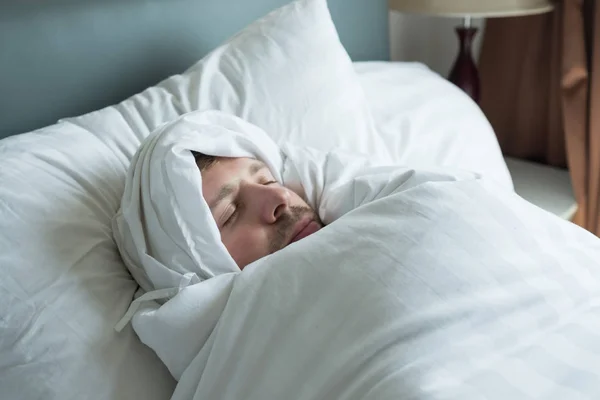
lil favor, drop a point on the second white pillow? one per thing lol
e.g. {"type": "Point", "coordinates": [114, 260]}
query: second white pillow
{"type": "Point", "coordinates": [289, 74]}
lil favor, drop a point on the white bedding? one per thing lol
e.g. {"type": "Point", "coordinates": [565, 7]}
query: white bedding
{"type": "Point", "coordinates": [64, 285]}
{"type": "Point", "coordinates": [424, 284]}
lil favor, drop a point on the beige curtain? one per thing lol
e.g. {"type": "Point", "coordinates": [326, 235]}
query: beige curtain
{"type": "Point", "coordinates": [541, 91]}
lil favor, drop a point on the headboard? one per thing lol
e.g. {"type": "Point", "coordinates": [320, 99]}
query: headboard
{"type": "Point", "coordinates": [61, 58]}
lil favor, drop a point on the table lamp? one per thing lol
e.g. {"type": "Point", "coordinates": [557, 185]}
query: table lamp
{"type": "Point", "coordinates": [464, 72]}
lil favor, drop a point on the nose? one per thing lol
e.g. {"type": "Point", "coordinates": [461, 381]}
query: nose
{"type": "Point", "coordinates": [272, 201]}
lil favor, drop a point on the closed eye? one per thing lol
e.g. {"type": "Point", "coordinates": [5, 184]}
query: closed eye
{"type": "Point", "coordinates": [238, 207]}
{"type": "Point", "coordinates": [232, 216]}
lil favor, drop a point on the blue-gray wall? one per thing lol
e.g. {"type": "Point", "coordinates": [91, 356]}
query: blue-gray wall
{"type": "Point", "coordinates": [62, 58]}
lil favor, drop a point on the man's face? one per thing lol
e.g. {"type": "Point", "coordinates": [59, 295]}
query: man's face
{"type": "Point", "coordinates": [256, 215]}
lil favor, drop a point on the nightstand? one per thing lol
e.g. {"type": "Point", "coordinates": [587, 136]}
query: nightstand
{"type": "Point", "coordinates": [546, 187]}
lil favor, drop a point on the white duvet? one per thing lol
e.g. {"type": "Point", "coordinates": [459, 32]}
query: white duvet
{"type": "Point", "coordinates": [423, 285]}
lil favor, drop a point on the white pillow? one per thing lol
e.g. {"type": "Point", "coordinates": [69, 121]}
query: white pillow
{"type": "Point", "coordinates": [63, 284]}
{"type": "Point", "coordinates": [287, 73]}
{"type": "Point", "coordinates": [425, 120]}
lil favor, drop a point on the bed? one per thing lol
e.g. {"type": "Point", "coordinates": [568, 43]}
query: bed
{"type": "Point", "coordinates": [109, 82]}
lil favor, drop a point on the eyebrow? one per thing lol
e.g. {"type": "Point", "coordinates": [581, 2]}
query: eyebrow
{"type": "Point", "coordinates": [256, 166]}
{"type": "Point", "coordinates": [228, 189]}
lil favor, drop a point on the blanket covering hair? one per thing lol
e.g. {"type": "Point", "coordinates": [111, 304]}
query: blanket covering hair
{"type": "Point", "coordinates": [164, 229]}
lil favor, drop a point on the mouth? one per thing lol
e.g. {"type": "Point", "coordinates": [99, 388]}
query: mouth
{"type": "Point", "coordinates": [304, 228]}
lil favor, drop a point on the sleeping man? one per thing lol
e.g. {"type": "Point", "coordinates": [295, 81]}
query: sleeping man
{"type": "Point", "coordinates": [255, 214]}
{"type": "Point", "coordinates": [273, 271]}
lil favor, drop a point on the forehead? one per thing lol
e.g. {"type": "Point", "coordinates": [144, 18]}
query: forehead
{"type": "Point", "coordinates": [227, 171]}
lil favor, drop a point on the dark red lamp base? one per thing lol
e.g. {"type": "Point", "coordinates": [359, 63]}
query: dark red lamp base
{"type": "Point", "coordinates": [464, 72]}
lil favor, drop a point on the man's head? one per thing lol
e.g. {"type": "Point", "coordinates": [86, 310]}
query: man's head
{"type": "Point", "coordinates": [256, 216]}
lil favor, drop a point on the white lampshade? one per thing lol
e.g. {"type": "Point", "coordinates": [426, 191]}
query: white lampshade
{"type": "Point", "coordinates": [473, 8]}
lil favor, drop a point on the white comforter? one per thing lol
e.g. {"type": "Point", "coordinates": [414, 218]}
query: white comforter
{"type": "Point", "coordinates": [424, 285]}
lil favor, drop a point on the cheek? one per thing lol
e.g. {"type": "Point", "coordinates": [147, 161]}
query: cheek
{"type": "Point", "coordinates": [246, 245]}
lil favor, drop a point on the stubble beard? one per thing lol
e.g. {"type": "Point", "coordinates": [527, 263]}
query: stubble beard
{"type": "Point", "coordinates": [286, 224]}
